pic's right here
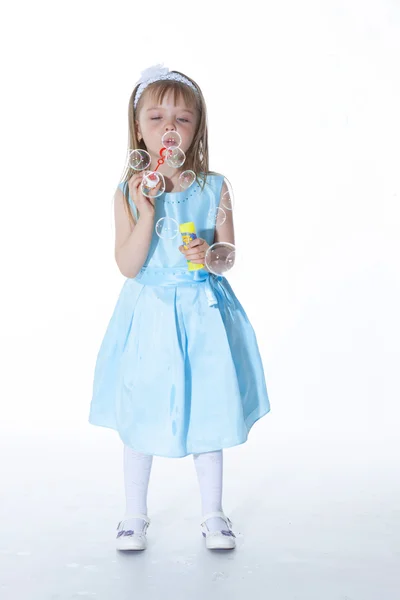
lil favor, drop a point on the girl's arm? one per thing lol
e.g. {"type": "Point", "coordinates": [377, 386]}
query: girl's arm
{"type": "Point", "coordinates": [225, 232]}
{"type": "Point", "coordinates": [132, 241]}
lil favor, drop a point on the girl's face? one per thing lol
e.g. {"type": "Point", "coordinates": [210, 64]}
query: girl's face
{"type": "Point", "coordinates": [156, 119]}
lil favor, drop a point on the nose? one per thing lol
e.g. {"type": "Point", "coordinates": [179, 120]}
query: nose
{"type": "Point", "coordinates": [169, 128]}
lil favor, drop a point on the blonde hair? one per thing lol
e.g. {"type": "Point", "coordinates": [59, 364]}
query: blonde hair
{"type": "Point", "coordinates": [197, 154]}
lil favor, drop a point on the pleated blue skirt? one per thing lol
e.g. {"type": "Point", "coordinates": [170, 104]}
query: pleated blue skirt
{"type": "Point", "coordinates": [179, 370]}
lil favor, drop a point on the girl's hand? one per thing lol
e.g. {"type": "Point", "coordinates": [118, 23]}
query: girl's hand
{"type": "Point", "coordinates": [196, 251]}
{"type": "Point", "coordinates": [144, 204]}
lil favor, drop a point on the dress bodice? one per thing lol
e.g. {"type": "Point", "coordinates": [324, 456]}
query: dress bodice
{"type": "Point", "coordinates": [193, 204]}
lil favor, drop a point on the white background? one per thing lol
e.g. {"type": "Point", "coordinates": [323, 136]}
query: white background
{"type": "Point", "coordinates": [303, 110]}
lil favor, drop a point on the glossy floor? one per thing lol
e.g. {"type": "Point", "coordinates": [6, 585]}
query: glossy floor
{"type": "Point", "coordinates": [315, 518]}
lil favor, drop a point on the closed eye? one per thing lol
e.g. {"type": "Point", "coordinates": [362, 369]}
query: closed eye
{"type": "Point", "coordinates": [182, 119]}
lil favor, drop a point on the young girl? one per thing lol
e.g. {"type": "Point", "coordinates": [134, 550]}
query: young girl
{"type": "Point", "coordinates": [179, 370]}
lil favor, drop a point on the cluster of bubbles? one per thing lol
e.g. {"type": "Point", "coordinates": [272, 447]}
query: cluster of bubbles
{"type": "Point", "coordinates": [172, 154]}
{"type": "Point", "coordinates": [220, 257]}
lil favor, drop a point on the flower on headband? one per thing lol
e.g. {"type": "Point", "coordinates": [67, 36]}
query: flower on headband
{"type": "Point", "coordinates": [153, 72]}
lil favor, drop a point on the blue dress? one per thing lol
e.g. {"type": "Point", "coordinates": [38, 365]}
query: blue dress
{"type": "Point", "coordinates": [179, 371]}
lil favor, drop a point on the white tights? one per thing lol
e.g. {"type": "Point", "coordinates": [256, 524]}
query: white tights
{"type": "Point", "coordinates": [137, 470]}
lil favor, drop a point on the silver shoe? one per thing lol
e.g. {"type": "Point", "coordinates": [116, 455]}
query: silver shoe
{"type": "Point", "coordinates": [218, 540]}
{"type": "Point", "coordinates": [127, 539]}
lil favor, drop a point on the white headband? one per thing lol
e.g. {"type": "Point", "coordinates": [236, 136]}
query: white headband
{"type": "Point", "coordinates": [157, 73]}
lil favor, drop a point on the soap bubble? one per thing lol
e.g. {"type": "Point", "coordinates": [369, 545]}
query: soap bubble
{"type": "Point", "coordinates": [139, 159]}
{"type": "Point", "coordinates": [167, 228]}
{"type": "Point", "coordinates": [171, 140]}
{"type": "Point", "coordinates": [175, 157]}
{"type": "Point", "coordinates": [186, 179]}
{"type": "Point", "coordinates": [220, 257]}
{"type": "Point", "coordinates": [216, 217]}
{"type": "Point", "coordinates": [150, 181]}
{"type": "Point", "coordinates": [227, 196]}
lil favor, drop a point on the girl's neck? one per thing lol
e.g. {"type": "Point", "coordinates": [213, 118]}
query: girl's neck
{"type": "Point", "coordinates": [171, 180]}
{"type": "Point", "coordinates": [172, 186]}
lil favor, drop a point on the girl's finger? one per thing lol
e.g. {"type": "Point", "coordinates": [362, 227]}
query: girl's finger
{"type": "Point", "coordinates": [195, 255]}
{"type": "Point", "coordinates": [136, 177]}
{"type": "Point", "coordinates": [135, 184]}
{"type": "Point", "coordinates": [196, 242]}
{"type": "Point", "coordinates": [155, 189]}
